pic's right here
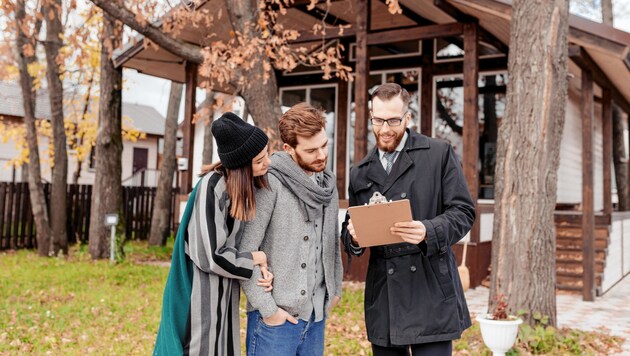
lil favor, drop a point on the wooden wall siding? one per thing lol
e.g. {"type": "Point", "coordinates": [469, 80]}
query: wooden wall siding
{"type": "Point", "coordinates": [598, 158]}
{"type": "Point", "coordinates": [588, 218]}
{"type": "Point", "coordinates": [607, 150]}
{"type": "Point", "coordinates": [17, 229]}
{"type": "Point", "coordinates": [486, 224]}
{"type": "Point", "coordinates": [613, 270]}
{"type": "Point", "coordinates": [569, 190]}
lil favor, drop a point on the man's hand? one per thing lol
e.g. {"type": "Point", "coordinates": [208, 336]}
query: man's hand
{"type": "Point", "coordinates": [333, 303]}
{"type": "Point", "coordinates": [413, 232]}
{"type": "Point", "coordinates": [279, 318]}
{"type": "Point", "coordinates": [352, 233]}
{"type": "Point", "coordinates": [267, 278]}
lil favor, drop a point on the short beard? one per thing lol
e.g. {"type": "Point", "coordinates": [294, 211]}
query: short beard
{"type": "Point", "coordinates": [310, 167]}
{"type": "Point", "coordinates": [392, 146]}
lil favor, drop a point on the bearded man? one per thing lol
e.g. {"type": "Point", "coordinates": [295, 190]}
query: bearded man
{"type": "Point", "coordinates": [296, 225]}
{"type": "Point", "coordinates": [414, 302]}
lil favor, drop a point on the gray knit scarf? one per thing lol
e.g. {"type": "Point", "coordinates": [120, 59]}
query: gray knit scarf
{"type": "Point", "coordinates": [301, 185]}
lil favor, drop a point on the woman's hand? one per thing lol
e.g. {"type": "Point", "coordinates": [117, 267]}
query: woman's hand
{"type": "Point", "coordinates": [260, 258]}
{"type": "Point", "coordinates": [267, 279]}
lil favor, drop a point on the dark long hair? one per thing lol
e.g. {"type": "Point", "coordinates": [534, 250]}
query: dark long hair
{"type": "Point", "coordinates": [241, 187]}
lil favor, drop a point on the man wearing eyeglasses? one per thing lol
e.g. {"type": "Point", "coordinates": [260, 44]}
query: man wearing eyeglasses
{"type": "Point", "coordinates": [414, 302]}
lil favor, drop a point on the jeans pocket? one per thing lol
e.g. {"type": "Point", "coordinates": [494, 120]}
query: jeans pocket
{"type": "Point", "coordinates": [262, 323]}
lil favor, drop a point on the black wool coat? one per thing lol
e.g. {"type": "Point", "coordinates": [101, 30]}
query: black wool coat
{"type": "Point", "coordinates": [413, 293]}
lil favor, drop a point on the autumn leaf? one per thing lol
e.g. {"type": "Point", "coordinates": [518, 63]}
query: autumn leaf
{"type": "Point", "coordinates": [393, 7]}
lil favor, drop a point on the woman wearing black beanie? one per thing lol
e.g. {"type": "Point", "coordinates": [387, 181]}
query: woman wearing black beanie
{"type": "Point", "coordinates": [200, 310]}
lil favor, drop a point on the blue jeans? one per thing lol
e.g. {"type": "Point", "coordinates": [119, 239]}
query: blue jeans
{"type": "Point", "coordinates": [306, 338]}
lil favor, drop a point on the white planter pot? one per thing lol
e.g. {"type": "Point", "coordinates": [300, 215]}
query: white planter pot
{"type": "Point", "coordinates": [498, 335]}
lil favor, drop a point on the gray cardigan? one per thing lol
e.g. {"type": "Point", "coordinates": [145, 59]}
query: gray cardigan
{"type": "Point", "coordinates": [280, 230]}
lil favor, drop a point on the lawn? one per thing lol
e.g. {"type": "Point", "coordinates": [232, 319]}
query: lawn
{"type": "Point", "coordinates": [76, 306]}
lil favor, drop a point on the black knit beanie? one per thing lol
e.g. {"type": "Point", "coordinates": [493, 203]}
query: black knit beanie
{"type": "Point", "coordinates": [238, 142]}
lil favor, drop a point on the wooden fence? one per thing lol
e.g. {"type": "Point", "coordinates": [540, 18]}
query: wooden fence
{"type": "Point", "coordinates": [17, 228]}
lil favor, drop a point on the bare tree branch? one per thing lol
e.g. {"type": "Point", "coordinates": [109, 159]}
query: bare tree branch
{"type": "Point", "coordinates": [185, 50]}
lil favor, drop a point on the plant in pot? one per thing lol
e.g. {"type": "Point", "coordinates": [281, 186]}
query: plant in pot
{"type": "Point", "coordinates": [498, 329]}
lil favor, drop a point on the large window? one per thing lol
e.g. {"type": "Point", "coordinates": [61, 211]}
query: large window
{"type": "Point", "coordinates": [448, 120]}
{"type": "Point", "coordinates": [323, 97]}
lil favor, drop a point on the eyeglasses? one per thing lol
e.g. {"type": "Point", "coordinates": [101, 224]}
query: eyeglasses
{"type": "Point", "coordinates": [391, 122]}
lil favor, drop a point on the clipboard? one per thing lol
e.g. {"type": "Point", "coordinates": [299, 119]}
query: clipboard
{"type": "Point", "coordinates": [373, 221]}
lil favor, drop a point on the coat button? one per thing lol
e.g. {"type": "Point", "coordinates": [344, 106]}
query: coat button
{"type": "Point", "coordinates": [296, 315]}
{"type": "Point", "coordinates": [303, 265]}
{"type": "Point", "coordinates": [305, 238]}
{"type": "Point", "coordinates": [369, 184]}
{"type": "Point", "coordinates": [413, 268]}
{"type": "Point", "coordinates": [403, 195]}
{"type": "Point", "coordinates": [390, 271]}
{"type": "Point", "coordinates": [303, 292]}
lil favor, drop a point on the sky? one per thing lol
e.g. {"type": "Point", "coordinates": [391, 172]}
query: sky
{"type": "Point", "coordinates": [152, 91]}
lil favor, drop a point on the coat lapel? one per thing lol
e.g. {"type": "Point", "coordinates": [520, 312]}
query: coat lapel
{"type": "Point", "coordinates": [402, 164]}
{"type": "Point", "coordinates": [375, 171]}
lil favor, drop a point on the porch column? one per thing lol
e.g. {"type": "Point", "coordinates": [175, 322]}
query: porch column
{"type": "Point", "coordinates": [188, 127]}
{"type": "Point", "coordinates": [341, 133]}
{"type": "Point", "coordinates": [426, 94]}
{"type": "Point", "coordinates": [362, 69]}
{"type": "Point", "coordinates": [471, 120]}
{"type": "Point", "coordinates": [588, 215]}
{"type": "Point", "coordinates": [608, 142]}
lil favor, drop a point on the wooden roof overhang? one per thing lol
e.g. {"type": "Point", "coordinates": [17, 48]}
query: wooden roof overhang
{"type": "Point", "coordinates": [421, 19]}
{"type": "Point", "coordinates": [600, 48]}
{"type": "Point", "coordinates": [607, 48]}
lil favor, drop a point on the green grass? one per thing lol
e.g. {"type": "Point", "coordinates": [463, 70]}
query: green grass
{"type": "Point", "coordinates": [76, 306]}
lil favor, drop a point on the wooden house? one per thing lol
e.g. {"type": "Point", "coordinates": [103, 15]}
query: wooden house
{"type": "Point", "coordinates": [451, 55]}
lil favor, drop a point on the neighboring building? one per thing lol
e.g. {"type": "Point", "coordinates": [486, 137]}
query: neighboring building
{"type": "Point", "coordinates": [143, 155]}
{"type": "Point", "coordinates": [423, 50]}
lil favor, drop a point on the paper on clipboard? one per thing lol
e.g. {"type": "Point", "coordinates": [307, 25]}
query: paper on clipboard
{"type": "Point", "coordinates": [372, 222]}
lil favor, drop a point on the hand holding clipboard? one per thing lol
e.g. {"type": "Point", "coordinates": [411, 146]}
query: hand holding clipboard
{"type": "Point", "coordinates": [374, 224]}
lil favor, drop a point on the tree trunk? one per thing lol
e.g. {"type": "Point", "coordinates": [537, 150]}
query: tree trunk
{"type": "Point", "coordinates": [524, 240]}
{"type": "Point", "coordinates": [107, 192]}
{"type": "Point", "coordinates": [24, 173]}
{"type": "Point", "coordinates": [619, 159]}
{"type": "Point", "coordinates": [261, 97]}
{"type": "Point", "coordinates": [52, 13]}
{"type": "Point", "coordinates": [161, 206]}
{"type": "Point", "coordinates": [79, 142]}
{"type": "Point", "coordinates": [206, 156]}
{"type": "Point", "coordinates": [36, 190]}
